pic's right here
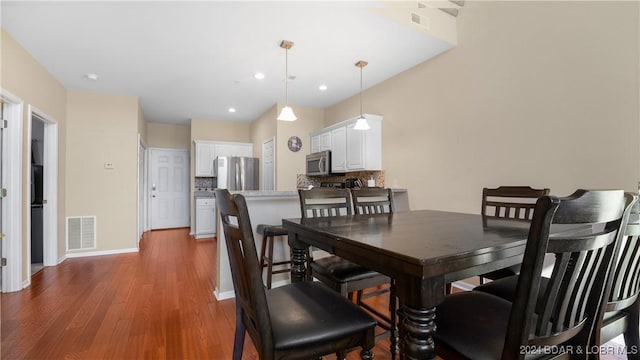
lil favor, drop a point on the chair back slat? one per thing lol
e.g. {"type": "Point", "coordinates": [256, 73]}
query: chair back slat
{"type": "Point", "coordinates": [510, 202]}
{"type": "Point", "coordinates": [373, 201]}
{"type": "Point", "coordinates": [626, 280]}
{"type": "Point", "coordinates": [245, 269]}
{"type": "Point", "coordinates": [325, 202]}
{"type": "Point", "coordinates": [577, 286]}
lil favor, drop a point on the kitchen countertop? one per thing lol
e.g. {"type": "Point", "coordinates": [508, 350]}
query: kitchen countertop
{"type": "Point", "coordinates": [265, 194]}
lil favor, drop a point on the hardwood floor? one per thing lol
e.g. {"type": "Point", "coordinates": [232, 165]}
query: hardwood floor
{"type": "Point", "coordinates": [155, 304]}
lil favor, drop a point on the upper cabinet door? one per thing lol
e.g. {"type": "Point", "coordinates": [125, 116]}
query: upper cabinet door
{"type": "Point", "coordinates": [205, 153]}
{"type": "Point", "coordinates": [325, 141]}
{"type": "Point", "coordinates": [339, 150]}
{"type": "Point", "coordinates": [315, 143]}
{"type": "Point", "coordinates": [356, 147]}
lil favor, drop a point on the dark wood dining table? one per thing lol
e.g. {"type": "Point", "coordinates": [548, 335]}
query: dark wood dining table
{"type": "Point", "coordinates": [421, 250]}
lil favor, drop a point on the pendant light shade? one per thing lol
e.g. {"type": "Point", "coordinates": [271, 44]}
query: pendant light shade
{"type": "Point", "coordinates": [362, 123]}
{"type": "Point", "coordinates": [286, 114]}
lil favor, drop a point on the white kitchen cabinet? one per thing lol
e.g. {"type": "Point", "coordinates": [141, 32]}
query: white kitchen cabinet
{"type": "Point", "coordinates": [205, 153]}
{"type": "Point", "coordinates": [205, 217]}
{"type": "Point", "coordinates": [364, 147]}
{"type": "Point", "coordinates": [325, 141]}
{"type": "Point", "coordinates": [234, 149]}
{"type": "Point", "coordinates": [321, 141]}
{"type": "Point", "coordinates": [351, 150]}
{"type": "Point", "coordinates": [315, 143]}
{"type": "Point", "coordinates": [339, 150]}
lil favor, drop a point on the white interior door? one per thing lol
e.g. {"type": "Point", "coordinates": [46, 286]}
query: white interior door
{"type": "Point", "coordinates": [268, 165]}
{"type": "Point", "coordinates": [169, 188]}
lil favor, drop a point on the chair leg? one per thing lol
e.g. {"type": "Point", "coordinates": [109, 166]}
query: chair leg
{"type": "Point", "coordinates": [263, 250]}
{"type": "Point", "coordinates": [270, 262]}
{"type": "Point", "coordinates": [632, 335]}
{"type": "Point", "coordinates": [366, 354]}
{"type": "Point", "coordinates": [481, 280]}
{"type": "Point", "coordinates": [393, 308]}
{"type": "Point", "coordinates": [341, 355]}
{"type": "Point", "coordinates": [447, 290]}
{"type": "Point", "coordinates": [238, 341]}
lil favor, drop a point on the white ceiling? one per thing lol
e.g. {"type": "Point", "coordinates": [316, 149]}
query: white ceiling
{"type": "Point", "coordinates": [196, 59]}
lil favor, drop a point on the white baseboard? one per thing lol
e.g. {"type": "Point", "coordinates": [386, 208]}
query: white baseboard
{"type": "Point", "coordinates": [26, 283]}
{"type": "Point", "coordinates": [60, 260]}
{"type": "Point", "coordinates": [101, 253]}
{"type": "Point", "coordinates": [224, 295]}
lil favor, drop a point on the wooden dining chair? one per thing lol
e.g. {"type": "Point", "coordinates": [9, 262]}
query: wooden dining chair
{"type": "Point", "coordinates": [620, 314]}
{"type": "Point", "coordinates": [556, 319]}
{"type": "Point", "coordinates": [372, 200]}
{"type": "Point", "coordinates": [511, 203]}
{"type": "Point", "coordinates": [376, 200]}
{"type": "Point", "coordinates": [302, 320]}
{"type": "Point", "coordinates": [339, 274]}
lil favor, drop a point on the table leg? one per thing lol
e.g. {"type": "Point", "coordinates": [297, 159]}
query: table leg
{"type": "Point", "coordinates": [418, 327]}
{"type": "Point", "coordinates": [298, 260]}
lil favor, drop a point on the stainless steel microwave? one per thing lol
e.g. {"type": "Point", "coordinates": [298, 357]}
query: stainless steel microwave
{"type": "Point", "coordinates": [319, 163]}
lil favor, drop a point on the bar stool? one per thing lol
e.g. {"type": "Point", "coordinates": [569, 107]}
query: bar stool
{"type": "Point", "coordinates": [268, 233]}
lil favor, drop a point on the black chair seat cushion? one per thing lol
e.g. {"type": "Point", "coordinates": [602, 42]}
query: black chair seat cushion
{"type": "Point", "coordinates": [462, 323]}
{"type": "Point", "coordinates": [502, 273]}
{"type": "Point", "coordinates": [309, 313]}
{"type": "Point", "coordinates": [341, 270]}
{"type": "Point", "coordinates": [505, 288]}
{"type": "Point", "coordinates": [271, 230]}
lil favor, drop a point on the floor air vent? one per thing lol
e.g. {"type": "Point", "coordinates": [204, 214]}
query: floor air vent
{"type": "Point", "coordinates": [81, 232]}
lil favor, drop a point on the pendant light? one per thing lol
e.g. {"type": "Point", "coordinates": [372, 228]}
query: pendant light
{"type": "Point", "coordinates": [287, 112]}
{"type": "Point", "coordinates": [362, 123]}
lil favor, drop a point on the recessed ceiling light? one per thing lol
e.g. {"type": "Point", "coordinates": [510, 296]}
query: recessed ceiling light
{"type": "Point", "coordinates": [91, 76]}
{"type": "Point", "coordinates": [232, 110]}
{"type": "Point", "coordinates": [322, 87]}
{"type": "Point", "coordinates": [258, 76]}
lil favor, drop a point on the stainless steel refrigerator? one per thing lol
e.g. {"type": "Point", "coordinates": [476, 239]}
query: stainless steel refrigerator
{"type": "Point", "coordinates": [236, 172]}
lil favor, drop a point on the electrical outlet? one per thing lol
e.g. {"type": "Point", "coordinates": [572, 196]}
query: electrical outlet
{"type": "Point", "coordinates": [109, 166]}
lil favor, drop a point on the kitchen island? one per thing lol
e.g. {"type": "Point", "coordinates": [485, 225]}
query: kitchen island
{"type": "Point", "coordinates": [270, 207]}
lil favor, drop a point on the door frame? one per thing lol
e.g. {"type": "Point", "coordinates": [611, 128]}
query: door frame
{"type": "Point", "coordinates": [143, 187]}
{"type": "Point", "coordinates": [49, 188]}
{"type": "Point", "coordinates": [12, 204]}
{"type": "Point", "coordinates": [273, 140]}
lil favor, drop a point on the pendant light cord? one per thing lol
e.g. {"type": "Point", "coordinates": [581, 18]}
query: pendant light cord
{"type": "Point", "coordinates": [360, 91]}
{"type": "Point", "coordinates": [286, 77]}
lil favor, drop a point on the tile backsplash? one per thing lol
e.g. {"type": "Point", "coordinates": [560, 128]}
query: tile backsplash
{"type": "Point", "coordinates": [303, 181]}
{"type": "Point", "coordinates": [205, 183]}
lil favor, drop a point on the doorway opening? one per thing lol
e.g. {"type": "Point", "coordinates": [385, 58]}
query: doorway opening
{"type": "Point", "coordinates": [42, 220]}
{"type": "Point", "coordinates": [36, 181]}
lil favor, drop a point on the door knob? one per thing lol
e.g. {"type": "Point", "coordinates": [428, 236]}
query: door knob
{"type": "Point", "coordinates": [153, 196]}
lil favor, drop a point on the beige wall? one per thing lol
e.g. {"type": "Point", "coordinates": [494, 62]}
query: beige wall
{"type": "Point", "coordinates": [288, 163]}
{"type": "Point", "coordinates": [204, 129]}
{"type": "Point", "coordinates": [262, 129]}
{"type": "Point", "coordinates": [538, 93]}
{"type": "Point", "coordinates": [171, 136]}
{"type": "Point", "coordinates": [25, 78]}
{"type": "Point", "coordinates": [103, 128]}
